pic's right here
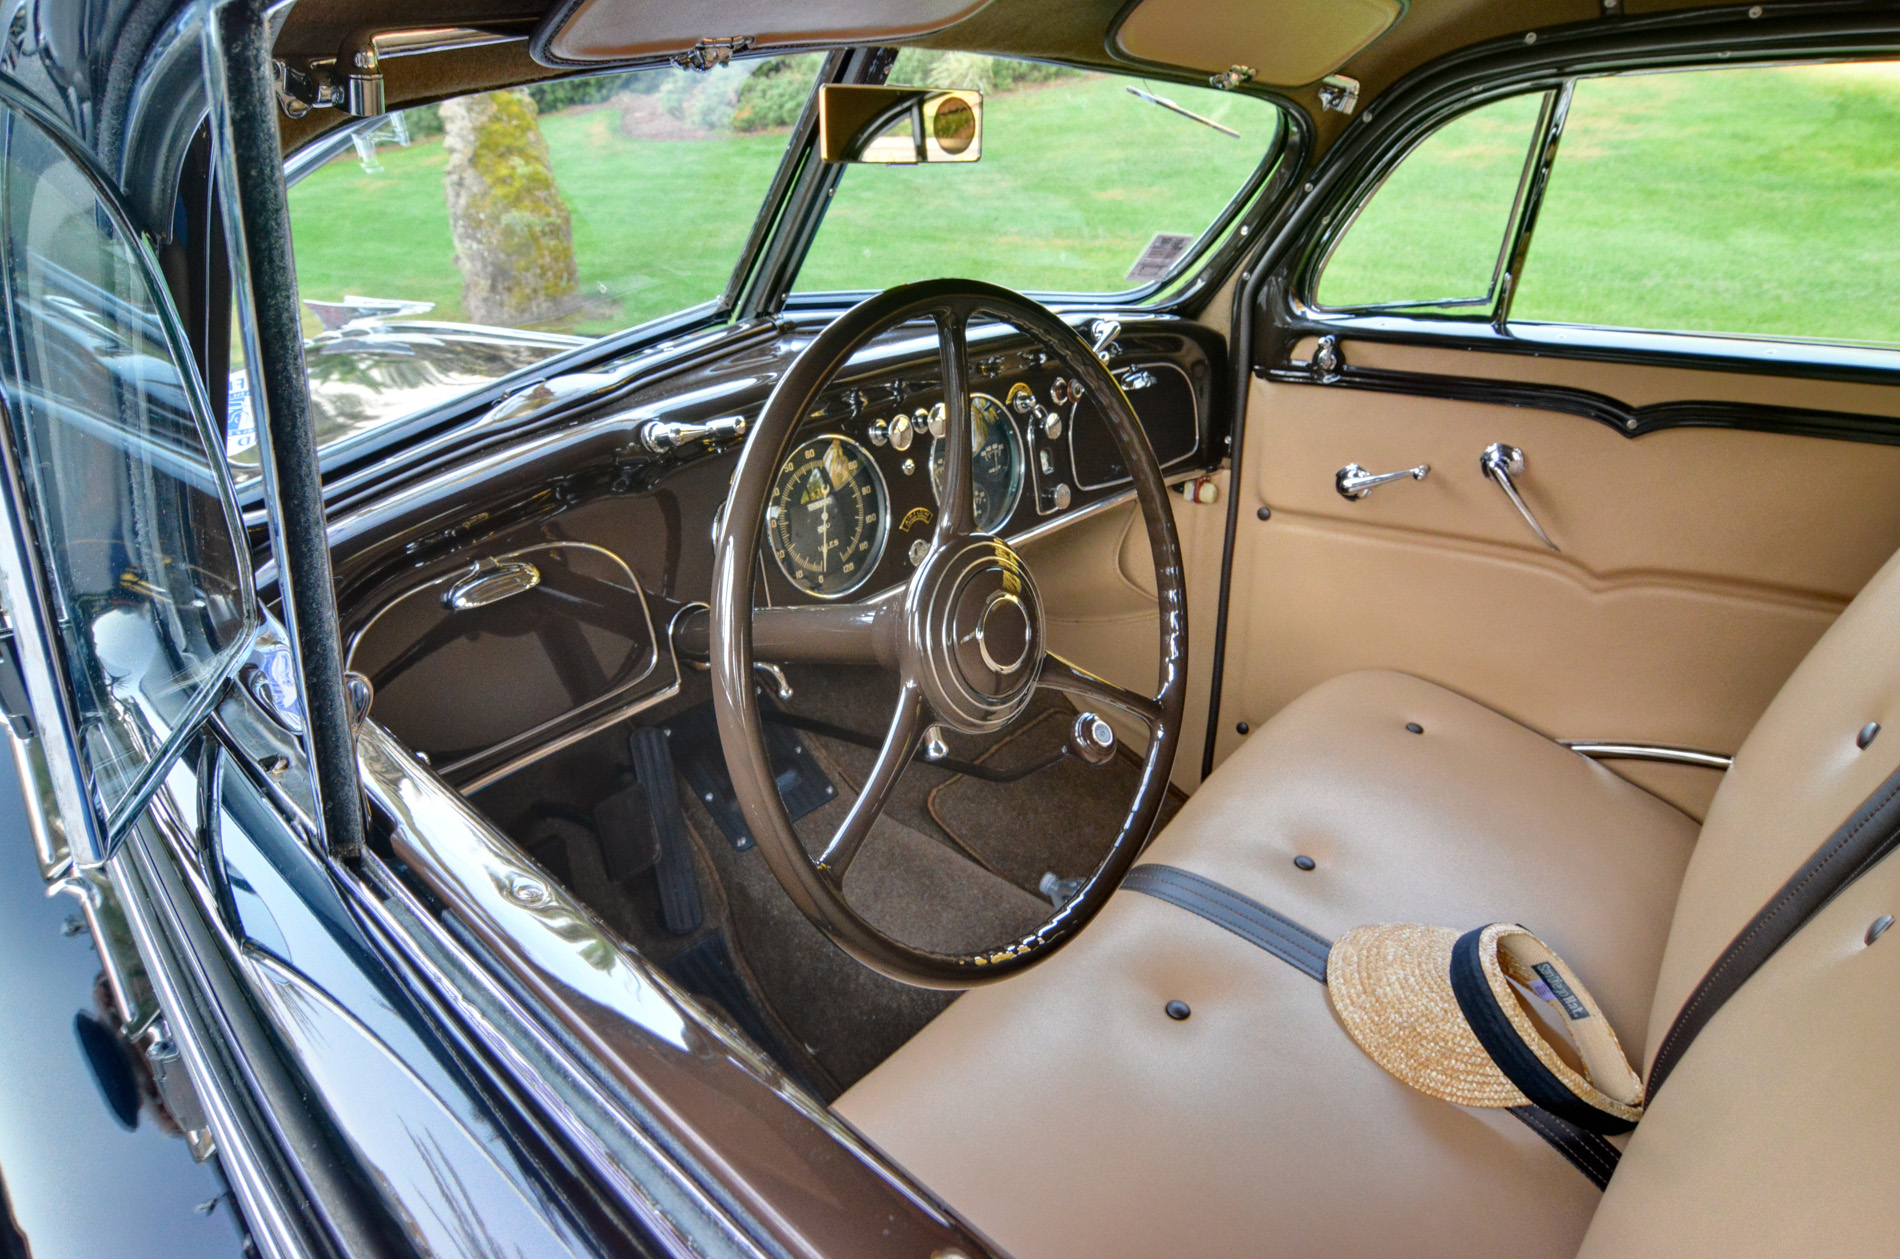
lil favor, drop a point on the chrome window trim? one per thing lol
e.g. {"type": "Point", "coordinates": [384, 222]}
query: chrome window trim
{"type": "Point", "coordinates": [92, 831]}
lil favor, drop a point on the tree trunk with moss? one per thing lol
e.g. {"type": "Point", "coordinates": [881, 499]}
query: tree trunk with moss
{"type": "Point", "coordinates": [514, 240]}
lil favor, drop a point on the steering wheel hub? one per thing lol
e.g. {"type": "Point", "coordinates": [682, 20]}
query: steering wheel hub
{"type": "Point", "coordinates": [973, 627]}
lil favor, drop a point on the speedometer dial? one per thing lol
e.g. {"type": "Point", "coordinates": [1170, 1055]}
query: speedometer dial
{"type": "Point", "coordinates": [996, 465]}
{"type": "Point", "coordinates": [827, 517]}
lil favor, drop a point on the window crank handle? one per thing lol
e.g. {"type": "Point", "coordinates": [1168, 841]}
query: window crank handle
{"type": "Point", "coordinates": [1354, 482]}
{"type": "Point", "coordinates": [1501, 463]}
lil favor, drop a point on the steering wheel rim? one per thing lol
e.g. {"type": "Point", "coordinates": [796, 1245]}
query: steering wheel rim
{"type": "Point", "coordinates": [914, 630]}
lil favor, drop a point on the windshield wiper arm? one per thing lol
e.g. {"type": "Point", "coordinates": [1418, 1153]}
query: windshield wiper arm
{"type": "Point", "coordinates": [1165, 103]}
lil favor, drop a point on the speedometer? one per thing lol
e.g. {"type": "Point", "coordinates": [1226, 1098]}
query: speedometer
{"type": "Point", "coordinates": [996, 465]}
{"type": "Point", "coordinates": [827, 517]}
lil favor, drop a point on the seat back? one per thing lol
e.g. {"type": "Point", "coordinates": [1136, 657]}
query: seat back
{"type": "Point", "coordinates": [1775, 1133]}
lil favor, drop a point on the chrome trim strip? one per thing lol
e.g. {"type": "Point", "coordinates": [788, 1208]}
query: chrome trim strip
{"type": "Point", "coordinates": [1096, 508]}
{"type": "Point", "coordinates": [1601, 751]}
{"type": "Point", "coordinates": [527, 736]}
{"type": "Point", "coordinates": [246, 1166]}
{"type": "Point", "coordinates": [619, 1013]}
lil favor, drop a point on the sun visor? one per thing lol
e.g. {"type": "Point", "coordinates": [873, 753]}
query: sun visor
{"type": "Point", "coordinates": [589, 32]}
{"type": "Point", "coordinates": [1285, 44]}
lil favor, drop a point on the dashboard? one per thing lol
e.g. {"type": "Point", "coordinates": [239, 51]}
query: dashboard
{"type": "Point", "coordinates": [523, 595]}
{"type": "Point", "coordinates": [858, 496]}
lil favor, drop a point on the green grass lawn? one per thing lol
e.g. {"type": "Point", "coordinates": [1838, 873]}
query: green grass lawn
{"type": "Point", "coordinates": [1076, 177]}
{"type": "Point", "coordinates": [1757, 201]}
{"type": "Point", "coordinates": [658, 224]}
{"type": "Point", "coordinates": [1753, 201]}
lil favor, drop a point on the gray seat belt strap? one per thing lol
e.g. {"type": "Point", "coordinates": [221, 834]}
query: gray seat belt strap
{"type": "Point", "coordinates": [1305, 950]}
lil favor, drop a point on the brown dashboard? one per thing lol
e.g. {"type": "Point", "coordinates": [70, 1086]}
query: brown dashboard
{"type": "Point", "coordinates": [520, 598]}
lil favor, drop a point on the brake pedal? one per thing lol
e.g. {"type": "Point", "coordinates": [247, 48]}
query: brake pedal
{"type": "Point", "coordinates": [680, 906]}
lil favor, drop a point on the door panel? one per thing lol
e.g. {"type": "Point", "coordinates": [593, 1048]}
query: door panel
{"type": "Point", "coordinates": [1698, 564]}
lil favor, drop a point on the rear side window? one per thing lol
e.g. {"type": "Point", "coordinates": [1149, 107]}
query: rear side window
{"type": "Point", "coordinates": [1762, 201]}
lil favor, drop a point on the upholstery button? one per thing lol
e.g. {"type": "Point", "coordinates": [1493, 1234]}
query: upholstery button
{"type": "Point", "coordinates": [1414, 727]}
{"type": "Point", "coordinates": [1241, 727]}
{"type": "Point", "coordinates": [1176, 1010]}
{"type": "Point", "coordinates": [1879, 927]}
{"type": "Point", "coordinates": [1305, 862]}
{"type": "Point", "coordinates": [1866, 735]}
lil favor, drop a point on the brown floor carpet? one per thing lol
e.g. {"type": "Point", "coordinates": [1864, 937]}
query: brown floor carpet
{"type": "Point", "coordinates": [1059, 820]}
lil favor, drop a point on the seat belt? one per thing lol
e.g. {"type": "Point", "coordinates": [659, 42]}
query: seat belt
{"type": "Point", "coordinates": [1305, 950]}
{"type": "Point", "coordinates": [1855, 847]}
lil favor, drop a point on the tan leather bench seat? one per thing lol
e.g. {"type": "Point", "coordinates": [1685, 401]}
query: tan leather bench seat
{"type": "Point", "coordinates": [1066, 1114]}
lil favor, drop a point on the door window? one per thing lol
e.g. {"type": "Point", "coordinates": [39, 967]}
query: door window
{"type": "Point", "coordinates": [145, 591]}
{"type": "Point", "coordinates": [1761, 201]}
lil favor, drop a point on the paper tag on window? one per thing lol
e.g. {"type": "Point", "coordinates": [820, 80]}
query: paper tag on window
{"type": "Point", "coordinates": [1160, 258]}
{"type": "Point", "coordinates": [240, 421]}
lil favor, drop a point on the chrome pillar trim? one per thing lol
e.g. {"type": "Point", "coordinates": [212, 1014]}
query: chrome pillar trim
{"type": "Point", "coordinates": [270, 1198]}
{"type": "Point", "coordinates": [1598, 750]}
{"type": "Point", "coordinates": [50, 849]}
{"type": "Point", "coordinates": [687, 1075]}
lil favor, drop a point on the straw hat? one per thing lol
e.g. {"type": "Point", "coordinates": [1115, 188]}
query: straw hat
{"type": "Point", "coordinates": [1489, 1018]}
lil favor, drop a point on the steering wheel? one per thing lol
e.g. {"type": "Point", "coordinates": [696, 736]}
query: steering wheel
{"type": "Point", "coordinates": [965, 635]}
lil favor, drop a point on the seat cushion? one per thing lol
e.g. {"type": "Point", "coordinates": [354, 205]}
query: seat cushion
{"type": "Point", "coordinates": [1064, 1113]}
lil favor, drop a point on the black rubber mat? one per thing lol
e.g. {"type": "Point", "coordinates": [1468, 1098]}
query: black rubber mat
{"type": "Point", "coordinates": [802, 784]}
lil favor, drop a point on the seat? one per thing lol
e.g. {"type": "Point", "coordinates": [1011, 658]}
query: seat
{"type": "Point", "coordinates": [1066, 1114]}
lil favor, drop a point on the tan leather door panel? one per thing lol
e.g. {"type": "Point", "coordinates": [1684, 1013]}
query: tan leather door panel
{"type": "Point", "coordinates": [1698, 565]}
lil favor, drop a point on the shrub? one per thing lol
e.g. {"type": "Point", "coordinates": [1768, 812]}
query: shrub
{"type": "Point", "coordinates": [775, 92]}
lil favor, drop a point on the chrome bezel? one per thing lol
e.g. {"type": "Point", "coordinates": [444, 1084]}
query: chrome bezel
{"type": "Point", "coordinates": [878, 543]}
{"type": "Point", "coordinates": [1019, 460]}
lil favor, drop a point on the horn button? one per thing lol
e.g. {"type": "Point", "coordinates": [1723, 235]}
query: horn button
{"type": "Point", "coordinates": [975, 634]}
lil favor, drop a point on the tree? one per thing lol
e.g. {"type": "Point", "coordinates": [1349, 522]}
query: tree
{"type": "Point", "coordinates": [514, 239]}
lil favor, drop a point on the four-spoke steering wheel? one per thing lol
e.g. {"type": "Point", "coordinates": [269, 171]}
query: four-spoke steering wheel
{"type": "Point", "coordinates": [965, 635]}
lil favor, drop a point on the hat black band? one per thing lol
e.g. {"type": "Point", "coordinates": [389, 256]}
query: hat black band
{"type": "Point", "coordinates": [1500, 1038]}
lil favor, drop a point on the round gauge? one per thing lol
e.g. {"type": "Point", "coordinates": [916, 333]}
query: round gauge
{"type": "Point", "coordinates": [826, 520]}
{"type": "Point", "coordinates": [997, 462]}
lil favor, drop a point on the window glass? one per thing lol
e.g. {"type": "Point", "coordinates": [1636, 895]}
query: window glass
{"type": "Point", "coordinates": [1432, 232]}
{"type": "Point", "coordinates": [1763, 201]}
{"type": "Point", "coordinates": [1081, 180]}
{"type": "Point", "coordinates": [140, 556]}
{"type": "Point", "coordinates": [455, 243]}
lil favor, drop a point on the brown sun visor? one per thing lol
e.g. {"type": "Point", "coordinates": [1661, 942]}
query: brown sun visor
{"type": "Point", "coordinates": [588, 32]}
{"type": "Point", "coordinates": [1284, 44]}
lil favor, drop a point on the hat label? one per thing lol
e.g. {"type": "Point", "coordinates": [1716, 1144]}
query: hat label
{"type": "Point", "coordinates": [1555, 989]}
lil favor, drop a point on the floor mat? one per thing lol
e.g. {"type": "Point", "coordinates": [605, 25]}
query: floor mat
{"type": "Point", "coordinates": [1059, 820]}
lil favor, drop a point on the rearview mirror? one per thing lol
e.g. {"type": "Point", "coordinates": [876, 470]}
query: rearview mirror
{"type": "Point", "coordinates": [899, 125]}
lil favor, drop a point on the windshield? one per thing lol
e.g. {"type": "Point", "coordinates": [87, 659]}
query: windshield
{"type": "Point", "coordinates": [453, 244]}
{"type": "Point", "coordinates": [1089, 183]}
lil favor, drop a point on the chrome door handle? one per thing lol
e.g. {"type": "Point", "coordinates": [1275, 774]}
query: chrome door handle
{"type": "Point", "coordinates": [1501, 463]}
{"type": "Point", "coordinates": [1354, 482]}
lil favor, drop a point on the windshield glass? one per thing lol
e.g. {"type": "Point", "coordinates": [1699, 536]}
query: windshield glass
{"type": "Point", "coordinates": [453, 244]}
{"type": "Point", "coordinates": [1088, 183]}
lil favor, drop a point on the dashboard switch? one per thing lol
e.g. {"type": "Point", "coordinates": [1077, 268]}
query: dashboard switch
{"type": "Point", "coordinates": [901, 432]}
{"type": "Point", "coordinates": [879, 432]}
